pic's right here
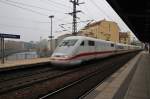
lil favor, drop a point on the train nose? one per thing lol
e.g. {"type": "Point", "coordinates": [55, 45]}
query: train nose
{"type": "Point", "coordinates": [59, 56]}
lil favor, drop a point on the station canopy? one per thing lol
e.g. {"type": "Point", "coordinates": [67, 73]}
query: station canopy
{"type": "Point", "coordinates": [136, 14]}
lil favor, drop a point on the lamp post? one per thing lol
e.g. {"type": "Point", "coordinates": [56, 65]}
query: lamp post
{"type": "Point", "coordinates": [149, 47]}
{"type": "Point", "coordinates": [51, 36]}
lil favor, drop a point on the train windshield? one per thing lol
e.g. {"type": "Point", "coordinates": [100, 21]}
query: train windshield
{"type": "Point", "coordinates": [68, 42]}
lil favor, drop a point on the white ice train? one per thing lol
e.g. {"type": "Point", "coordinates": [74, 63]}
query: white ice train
{"type": "Point", "coordinates": [76, 49]}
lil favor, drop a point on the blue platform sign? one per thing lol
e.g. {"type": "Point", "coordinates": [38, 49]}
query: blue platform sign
{"type": "Point", "coordinates": [2, 35]}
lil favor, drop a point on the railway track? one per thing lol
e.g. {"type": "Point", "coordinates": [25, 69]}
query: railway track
{"type": "Point", "coordinates": [79, 89]}
{"type": "Point", "coordinates": [14, 74]}
{"type": "Point", "coordinates": [52, 83]}
{"type": "Point", "coordinates": [16, 82]}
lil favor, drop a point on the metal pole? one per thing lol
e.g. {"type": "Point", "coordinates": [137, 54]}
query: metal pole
{"type": "Point", "coordinates": [74, 14]}
{"type": "Point", "coordinates": [74, 18]}
{"type": "Point", "coordinates": [149, 48]}
{"type": "Point", "coordinates": [3, 52]}
{"type": "Point", "coordinates": [51, 35]}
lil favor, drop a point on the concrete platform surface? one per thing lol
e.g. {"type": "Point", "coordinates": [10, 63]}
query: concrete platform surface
{"type": "Point", "coordinates": [139, 87]}
{"type": "Point", "coordinates": [22, 63]}
{"type": "Point", "coordinates": [116, 85]}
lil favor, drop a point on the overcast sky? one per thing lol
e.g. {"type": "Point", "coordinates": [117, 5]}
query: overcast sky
{"type": "Point", "coordinates": [29, 18]}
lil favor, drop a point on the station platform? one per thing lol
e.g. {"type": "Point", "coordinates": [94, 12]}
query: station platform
{"type": "Point", "coordinates": [139, 87]}
{"type": "Point", "coordinates": [132, 81]}
{"type": "Point", "coordinates": [9, 65]}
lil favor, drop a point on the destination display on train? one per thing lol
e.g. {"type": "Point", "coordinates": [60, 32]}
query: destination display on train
{"type": "Point", "coordinates": [2, 35]}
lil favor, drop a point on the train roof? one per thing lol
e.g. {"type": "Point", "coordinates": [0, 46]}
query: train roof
{"type": "Point", "coordinates": [86, 38]}
{"type": "Point", "coordinates": [94, 39]}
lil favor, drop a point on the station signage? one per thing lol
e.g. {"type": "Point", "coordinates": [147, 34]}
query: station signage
{"type": "Point", "coordinates": [2, 43]}
{"type": "Point", "coordinates": [2, 35]}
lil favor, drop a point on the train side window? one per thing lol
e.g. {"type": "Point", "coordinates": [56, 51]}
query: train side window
{"type": "Point", "coordinates": [112, 45]}
{"type": "Point", "coordinates": [82, 44]}
{"type": "Point", "coordinates": [91, 43]}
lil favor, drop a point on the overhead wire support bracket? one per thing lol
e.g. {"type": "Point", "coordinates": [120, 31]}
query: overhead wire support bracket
{"type": "Point", "coordinates": [74, 14]}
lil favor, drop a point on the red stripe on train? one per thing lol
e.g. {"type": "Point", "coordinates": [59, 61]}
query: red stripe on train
{"type": "Point", "coordinates": [87, 54]}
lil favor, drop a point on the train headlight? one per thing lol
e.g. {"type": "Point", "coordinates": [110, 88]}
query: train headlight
{"type": "Point", "coordinates": [59, 57]}
{"type": "Point", "coordinates": [52, 58]}
{"type": "Point", "coordinates": [65, 56]}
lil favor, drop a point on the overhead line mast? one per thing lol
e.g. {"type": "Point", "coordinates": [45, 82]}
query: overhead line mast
{"type": "Point", "coordinates": [74, 14]}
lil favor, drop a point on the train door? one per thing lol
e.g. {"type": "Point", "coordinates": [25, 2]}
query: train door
{"type": "Point", "coordinates": [83, 49]}
{"type": "Point", "coordinates": [98, 48]}
{"type": "Point", "coordinates": [92, 49]}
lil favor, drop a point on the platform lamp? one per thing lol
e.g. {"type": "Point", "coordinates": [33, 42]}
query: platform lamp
{"type": "Point", "coordinates": [51, 36]}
